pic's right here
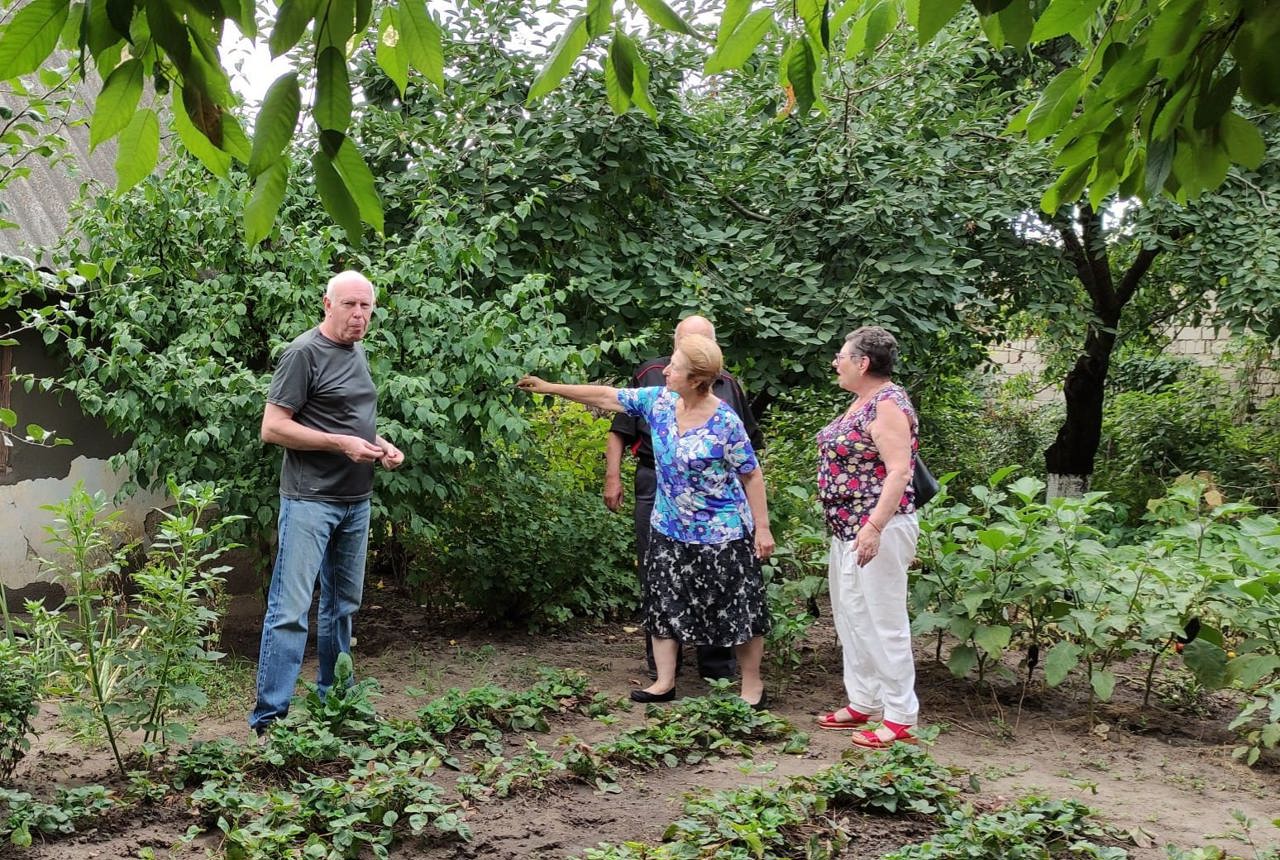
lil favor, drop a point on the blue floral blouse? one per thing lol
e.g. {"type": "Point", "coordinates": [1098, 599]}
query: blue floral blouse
{"type": "Point", "coordinates": [699, 499]}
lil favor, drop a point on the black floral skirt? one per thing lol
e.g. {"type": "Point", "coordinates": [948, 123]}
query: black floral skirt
{"type": "Point", "coordinates": [704, 594]}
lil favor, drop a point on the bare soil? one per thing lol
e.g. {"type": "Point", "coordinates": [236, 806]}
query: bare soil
{"type": "Point", "coordinates": [1163, 775]}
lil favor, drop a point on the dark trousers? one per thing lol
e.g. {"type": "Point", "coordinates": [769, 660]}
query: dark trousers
{"type": "Point", "coordinates": [714, 661]}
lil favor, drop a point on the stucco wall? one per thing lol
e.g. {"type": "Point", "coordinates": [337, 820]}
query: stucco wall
{"type": "Point", "coordinates": [23, 539]}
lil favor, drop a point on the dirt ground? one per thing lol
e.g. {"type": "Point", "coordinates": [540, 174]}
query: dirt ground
{"type": "Point", "coordinates": [1166, 777]}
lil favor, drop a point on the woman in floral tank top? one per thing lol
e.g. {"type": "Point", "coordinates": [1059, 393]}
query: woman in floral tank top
{"type": "Point", "coordinates": [864, 484]}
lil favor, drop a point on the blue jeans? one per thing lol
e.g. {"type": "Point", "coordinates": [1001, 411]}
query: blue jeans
{"type": "Point", "coordinates": [324, 540]}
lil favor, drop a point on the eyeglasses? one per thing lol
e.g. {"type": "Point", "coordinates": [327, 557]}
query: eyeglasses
{"type": "Point", "coordinates": [849, 355]}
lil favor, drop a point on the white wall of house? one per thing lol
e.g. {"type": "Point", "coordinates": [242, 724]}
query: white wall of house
{"type": "Point", "coordinates": [23, 535]}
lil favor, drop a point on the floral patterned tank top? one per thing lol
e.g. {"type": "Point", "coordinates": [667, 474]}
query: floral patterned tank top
{"type": "Point", "coordinates": [850, 472]}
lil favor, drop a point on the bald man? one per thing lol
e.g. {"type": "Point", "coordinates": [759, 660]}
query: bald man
{"type": "Point", "coordinates": [632, 433]}
{"type": "Point", "coordinates": [322, 409]}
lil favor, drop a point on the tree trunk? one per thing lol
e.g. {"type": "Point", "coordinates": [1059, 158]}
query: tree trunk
{"type": "Point", "coordinates": [1069, 460]}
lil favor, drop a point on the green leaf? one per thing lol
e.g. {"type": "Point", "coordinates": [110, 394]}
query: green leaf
{"type": "Point", "coordinates": [640, 75]}
{"type": "Point", "coordinates": [1216, 101]}
{"type": "Point", "coordinates": [337, 24]}
{"type": "Point", "coordinates": [665, 17]}
{"type": "Point", "coordinates": [566, 51]}
{"type": "Point", "coordinates": [599, 17]}
{"type": "Point", "coordinates": [1248, 670]}
{"type": "Point", "coordinates": [99, 32]}
{"type": "Point", "coordinates": [1243, 140]}
{"type": "Point", "coordinates": [1061, 17]}
{"type": "Point", "coordinates": [802, 65]}
{"type": "Point", "coordinates": [1104, 684]}
{"type": "Point", "coordinates": [933, 16]}
{"type": "Point", "coordinates": [994, 539]}
{"type": "Point", "coordinates": [993, 640]}
{"type": "Point", "coordinates": [276, 122]}
{"type": "Point", "coordinates": [1159, 163]}
{"type": "Point", "coordinates": [356, 176]}
{"type": "Point", "coordinates": [364, 14]}
{"type": "Point", "coordinates": [1208, 662]}
{"type": "Point", "coordinates": [8, 417]}
{"type": "Point", "coordinates": [1055, 104]}
{"type": "Point", "coordinates": [117, 101]}
{"type": "Point", "coordinates": [217, 161]}
{"type": "Point", "coordinates": [120, 14]}
{"type": "Point", "coordinates": [739, 47]}
{"type": "Point", "coordinates": [618, 78]}
{"type": "Point", "coordinates": [1059, 662]}
{"type": "Point", "coordinates": [334, 196]}
{"type": "Point", "coordinates": [421, 39]}
{"type": "Point", "coordinates": [868, 30]}
{"type": "Point", "coordinates": [264, 203]}
{"type": "Point", "coordinates": [731, 17]}
{"type": "Point", "coordinates": [333, 91]}
{"type": "Point", "coordinates": [30, 36]}
{"type": "Point", "coordinates": [963, 659]}
{"type": "Point", "coordinates": [1016, 22]}
{"type": "Point", "coordinates": [291, 23]}
{"type": "Point", "coordinates": [1067, 188]}
{"type": "Point", "coordinates": [393, 59]}
{"type": "Point", "coordinates": [138, 149]}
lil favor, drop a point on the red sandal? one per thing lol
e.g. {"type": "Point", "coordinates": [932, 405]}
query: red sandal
{"type": "Point", "coordinates": [871, 741]}
{"type": "Point", "coordinates": [856, 719]}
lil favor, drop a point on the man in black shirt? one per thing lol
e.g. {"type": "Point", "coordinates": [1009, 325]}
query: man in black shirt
{"type": "Point", "coordinates": [322, 409]}
{"type": "Point", "coordinates": [633, 433]}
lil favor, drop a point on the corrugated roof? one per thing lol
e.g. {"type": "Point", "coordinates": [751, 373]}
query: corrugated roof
{"type": "Point", "coordinates": [40, 203]}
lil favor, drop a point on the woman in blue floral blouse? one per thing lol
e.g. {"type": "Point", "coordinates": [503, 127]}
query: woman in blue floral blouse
{"type": "Point", "coordinates": [710, 519]}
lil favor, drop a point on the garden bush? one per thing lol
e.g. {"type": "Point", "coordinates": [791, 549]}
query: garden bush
{"type": "Point", "coordinates": [529, 540]}
{"type": "Point", "coordinates": [1055, 581]}
{"type": "Point", "coordinates": [19, 691]}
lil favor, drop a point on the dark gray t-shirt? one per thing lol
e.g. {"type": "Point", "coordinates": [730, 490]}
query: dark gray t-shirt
{"type": "Point", "coordinates": [328, 388]}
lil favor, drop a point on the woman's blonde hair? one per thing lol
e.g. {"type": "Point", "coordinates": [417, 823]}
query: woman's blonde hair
{"type": "Point", "coordinates": [704, 357]}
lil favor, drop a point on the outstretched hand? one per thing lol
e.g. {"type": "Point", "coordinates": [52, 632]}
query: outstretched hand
{"type": "Point", "coordinates": [534, 385]}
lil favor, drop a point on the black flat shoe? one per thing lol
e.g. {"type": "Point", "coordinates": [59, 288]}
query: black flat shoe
{"type": "Point", "coordinates": [644, 696]}
{"type": "Point", "coordinates": [760, 704]}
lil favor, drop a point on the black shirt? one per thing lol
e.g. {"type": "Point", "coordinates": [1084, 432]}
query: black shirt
{"type": "Point", "coordinates": [635, 431]}
{"type": "Point", "coordinates": [327, 387]}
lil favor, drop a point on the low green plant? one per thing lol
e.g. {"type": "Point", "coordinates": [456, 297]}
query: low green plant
{"type": "Point", "coordinates": [698, 728]}
{"type": "Point", "coordinates": [376, 804]}
{"type": "Point", "coordinates": [177, 610]}
{"type": "Point", "coordinates": [23, 816]}
{"type": "Point", "coordinates": [531, 771]}
{"type": "Point", "coordinates": [478, 715]}
{"type": "Point", "coordinates": [799, 817]}
{"type": "Point", "coordinates": [19, 703]}
{"type": "Point", "coordinates": [1033, 828]}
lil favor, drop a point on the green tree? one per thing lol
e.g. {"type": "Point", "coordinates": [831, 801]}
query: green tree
{"type": "Point", "coordinates": [1145, 109]}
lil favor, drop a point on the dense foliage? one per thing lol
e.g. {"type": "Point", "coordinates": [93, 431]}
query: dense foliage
{"type": "Point", "coordinates": [1154, 80]}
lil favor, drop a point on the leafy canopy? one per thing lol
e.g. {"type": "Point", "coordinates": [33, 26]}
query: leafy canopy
{"type": "Point", "coordinates": [1145, 108]}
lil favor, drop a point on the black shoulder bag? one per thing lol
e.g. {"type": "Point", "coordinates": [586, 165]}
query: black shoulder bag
{"type": "Point", "coordinates": [923, 482]}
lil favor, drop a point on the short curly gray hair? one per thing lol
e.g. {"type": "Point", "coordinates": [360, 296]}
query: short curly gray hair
{"type": "Point", "coordinates": [877, 345]}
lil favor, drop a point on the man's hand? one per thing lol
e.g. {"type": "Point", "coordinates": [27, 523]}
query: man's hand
{"type": "Point", "coordinates": [392, 457]}
{"type": "Point", "coordinates": [613, 492]}
{"type": "Point", "coordinates": [764, 543]}
{"type": "Point", "coordinates": [359, 451]}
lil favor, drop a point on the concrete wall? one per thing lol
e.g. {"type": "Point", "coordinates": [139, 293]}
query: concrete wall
{"type": "Point", "coordinates": [23, 539]}
{"type": "Point", "coordinates": [1203, 345]}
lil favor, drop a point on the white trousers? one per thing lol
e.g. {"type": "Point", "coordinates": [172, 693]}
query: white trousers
{"type": "Point", "coordinates": [869, 603]}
